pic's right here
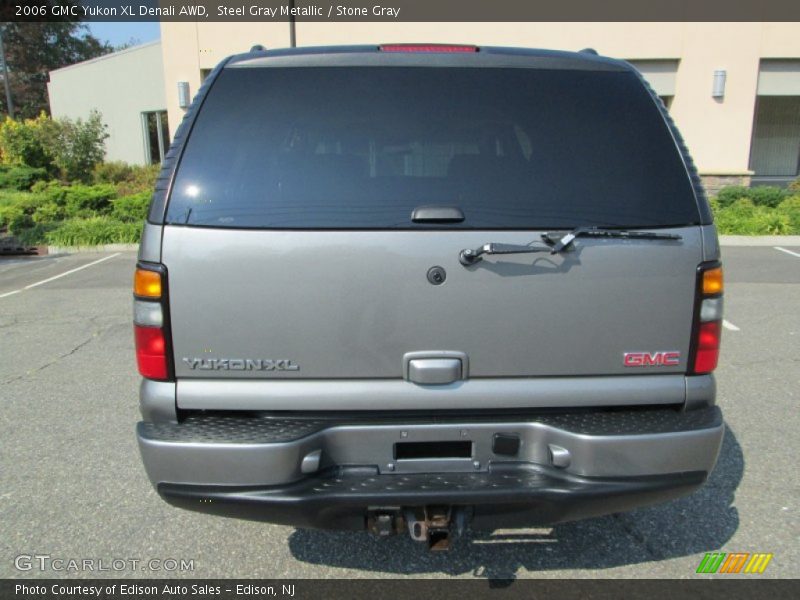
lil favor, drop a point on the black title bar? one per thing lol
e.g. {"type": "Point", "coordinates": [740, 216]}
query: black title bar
{"type": "Point", "coordinates": [400, 10]}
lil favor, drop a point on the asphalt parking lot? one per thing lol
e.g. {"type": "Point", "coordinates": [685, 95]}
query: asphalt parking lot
{"type": "Point", "coordinates": [72, 485]}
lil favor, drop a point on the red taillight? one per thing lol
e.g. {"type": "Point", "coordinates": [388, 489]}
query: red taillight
{"type": "Point", "coordinates": [426, 48]}
{"type": "Point", "coordinates": [707, 354]}
{"type": "Point", "coordinates": [150, 322]}
{"type": "Point", "coordinates": [151, 352]}
{"type": "Point", "coordinates": [708, 319]}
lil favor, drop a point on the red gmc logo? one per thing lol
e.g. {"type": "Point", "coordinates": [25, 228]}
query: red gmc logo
{"type": "Point", "coordinates": [652, 359]}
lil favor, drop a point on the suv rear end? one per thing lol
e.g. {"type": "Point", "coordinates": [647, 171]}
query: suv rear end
{"type": "Point", "coordinates": [425, 287]}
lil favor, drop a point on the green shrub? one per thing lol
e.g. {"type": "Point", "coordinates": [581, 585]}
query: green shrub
{"type": "Point", "coordinates": [743, 217]}
{"type": "Point", "coordinates": [33, 236]}
{"type": "Point", "coordinates": [794, 187]}
{"type": "Point", "coordinates": [93, 231]}
{"type": "Point", "coordinates": [85, 200]}
{"type": "Point", "coordinates": [761, 195]}
{"type": "Point", "coordinates": [730, 194]}
{"type": "Point", "coordinates": [112, 172]}
{"type": "Point", "coordinates": [131, 209]}
{"type": "Point", "coordinates": [790, 208]}
{"type": "Point", "coordinates": [20, 177]}
{"type": "Point", "coordinates": [768, 195]}
{"type": "Point", "coordinates": [18, 220]}
{"type": "Point", "coordinates": [9, 213]}
{"type": "Point", "coordinates": [141, 179]}
{"type": "Point", "coordinates": [25, 142]}
{"type": "Point", "coordinates": [48, 212]}
{"type": "Point", "coordinates": [78, 146]}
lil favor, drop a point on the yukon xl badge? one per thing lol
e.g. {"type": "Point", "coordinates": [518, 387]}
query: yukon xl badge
{"type": "Point", "coordinates": [652, 359]}
{"type": "Point", "coordinates": [241, 364]}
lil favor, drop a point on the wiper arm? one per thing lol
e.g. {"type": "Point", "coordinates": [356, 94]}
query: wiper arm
{"type": "Point", "coordinates": [559, 245]}
{"type": "Point", "coordinates": [469, 256]}
{"type": "Point", "coordinates": [554, 245]}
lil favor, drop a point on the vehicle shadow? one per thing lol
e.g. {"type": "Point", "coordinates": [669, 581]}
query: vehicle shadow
{"type": "Point", "coordinates": [700, 522]}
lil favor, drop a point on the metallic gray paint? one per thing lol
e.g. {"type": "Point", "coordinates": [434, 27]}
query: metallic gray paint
{"type": "Point", "coordinates": [157, 401]}
{"type": "Point", "coordinates": [397, 394]}
{"type": "Point", "coordinates": [150, 246]}
{"type": "Point", "coordinates": [277, 463]}
{"type": "Point", "coordinates": [350, 304]}
{"type": "Point", "coordinates": [701, 390]}
{"type": "Point", "coordinates": [434, 371]}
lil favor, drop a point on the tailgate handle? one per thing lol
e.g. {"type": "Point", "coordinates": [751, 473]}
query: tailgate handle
{"type": "Point", "coordinates": [434, 371]}
{"type": "Point", "coordinates": [434, 368]}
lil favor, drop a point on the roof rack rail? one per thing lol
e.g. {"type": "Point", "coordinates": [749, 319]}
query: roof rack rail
{"type": "Point", "coordinates": [588, 51]}
{"type": "Point", "coordinates": [257, 48]}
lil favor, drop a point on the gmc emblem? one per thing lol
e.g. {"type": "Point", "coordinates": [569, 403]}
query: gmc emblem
{"type": "Point", "coordinates": [652, 359]}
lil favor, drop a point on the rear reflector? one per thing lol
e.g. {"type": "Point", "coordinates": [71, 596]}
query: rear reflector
{"type": "Point", "coordinates": [712, 281]}
{"type": "Point", "coordinates": [708, 338]}
{"type": "Point", "coordinates": [147, 284]}
{"type": "Point", "coordinates": [147, 314]}
{"type": "Point", "coordinates": [711, 310]}
{"type": "Point", "coordinates": [426, 48]}
{"type": "Point", "coordinates": [151, 352]}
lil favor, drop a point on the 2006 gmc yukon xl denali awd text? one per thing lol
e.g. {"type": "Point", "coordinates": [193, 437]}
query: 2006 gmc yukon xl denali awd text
{"type": "Point", "coordinates": [427, 287]}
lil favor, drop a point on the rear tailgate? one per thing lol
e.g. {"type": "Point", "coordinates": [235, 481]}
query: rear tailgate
{"type": "Point", "coordinates": [350, 304]}
{"type": "Point", "coordinates": [293, 257]}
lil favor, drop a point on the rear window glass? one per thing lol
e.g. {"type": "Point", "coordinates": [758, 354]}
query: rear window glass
{"type": "Point", "coordinates": [344, 147]}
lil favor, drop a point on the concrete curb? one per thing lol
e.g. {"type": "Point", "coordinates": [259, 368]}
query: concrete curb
{"type": "Point", "coordinates": [101, 248]}
{"type": "Point", "coordinates": [759, 240]}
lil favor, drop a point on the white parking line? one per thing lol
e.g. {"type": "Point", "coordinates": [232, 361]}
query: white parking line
{"type": "Point", "coordinates": [787, 251]}
{"type": "Point", "coordinates": [59, 276]}
{"type": "Point", "coordinates": [728, 325]}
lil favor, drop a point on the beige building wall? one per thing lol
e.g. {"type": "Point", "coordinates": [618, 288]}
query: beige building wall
{"type": "Point", "coordinates": [717, 131]}
{"type": "Point", "coordinates": [120, 86]}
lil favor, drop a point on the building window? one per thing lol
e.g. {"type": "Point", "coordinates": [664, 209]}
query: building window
{"type": "Point", "coordinates": [775, 152]}
{"type": "Point", "coordinates": [156, 136]}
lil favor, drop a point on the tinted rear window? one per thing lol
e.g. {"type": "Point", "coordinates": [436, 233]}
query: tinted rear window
{"type": "Point", "coordinates": [362, 147]}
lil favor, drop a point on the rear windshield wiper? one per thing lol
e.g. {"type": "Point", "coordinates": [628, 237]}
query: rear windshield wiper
{"type": "Point", "coordinates": [598, 232]}
{"type": "Point", "coordinates": [554, 245]}
{"type": "Point", "coordinates": [469, 256]}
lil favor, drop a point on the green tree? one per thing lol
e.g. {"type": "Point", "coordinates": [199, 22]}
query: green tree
{"type": "Point", "coordinates": [34, 49]}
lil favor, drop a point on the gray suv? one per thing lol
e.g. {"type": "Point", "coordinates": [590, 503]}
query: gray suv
{"type": "Point", "coordinates": [420, 288]}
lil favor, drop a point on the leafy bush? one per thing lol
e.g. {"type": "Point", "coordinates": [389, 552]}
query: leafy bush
{"type": "Point", "coordinates": [33, 236]}
{"type": "Point", "coordinates": [20, 177]}
{"type": "Point", "coordinates": [131, 209]}
{"type": "Point", "coordinates": [9, 213]}
{"type": "Point", "coordinates": [48, 212]}
{"type": "Point", "coordinates": [141, 179]}
{"type": "Point", "coordinates": [112, 172]}
{"type": "Point", "coordinates": [26, 142]}
{"type": "Point", "coordinates": [78, 146]}
{"type": "Point", "coordinates": [743, 217]}
{"type": "Point", "coordinates": [760, 196]}
{"type": "Point", "coordinates": [69, 148]}
{"type": "Point", "coordinates": [85, 200]}
{"type": "Point", "coordinates": [93, 231]}
{"type": "Point", "coordinates": [790, 208]}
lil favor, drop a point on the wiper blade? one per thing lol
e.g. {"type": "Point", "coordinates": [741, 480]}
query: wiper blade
{"type": "Point", "coordinates": [554, 245]}
{"type": "Point", "coordinates": [469, 256]}
{"type": "Point", "coordinates": [559, 245]}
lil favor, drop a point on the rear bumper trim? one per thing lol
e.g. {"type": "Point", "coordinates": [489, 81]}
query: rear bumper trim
{"type": "Point", "coordinates": [507, 495]}
{"type": "Point", "coordinates": [254, 451]}
{"type": "Point", "coordinates": [398, 394]}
